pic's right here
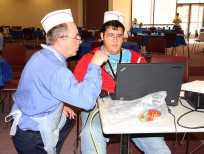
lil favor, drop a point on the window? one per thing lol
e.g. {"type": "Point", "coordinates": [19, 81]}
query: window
{"type": "Point", "coordinates": [154, 12]}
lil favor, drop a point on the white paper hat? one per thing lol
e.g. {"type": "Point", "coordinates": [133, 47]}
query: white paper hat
{"type": "Point", "coordinates": [55, 18]}
{"type": "Point", "coordinates": [113, 15]}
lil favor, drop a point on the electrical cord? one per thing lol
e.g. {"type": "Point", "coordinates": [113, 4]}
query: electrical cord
{"type": "Point", "coordinates": [191, 111]}
{"type": "Point", "coordinates": [92, 136]}
{"type": "Point", "coordinates": [174, 147]}
{"type": "Point", "coordinates": [75, 145]}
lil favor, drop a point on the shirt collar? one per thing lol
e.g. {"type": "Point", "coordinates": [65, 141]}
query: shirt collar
{"type": "Point", "coordinates": [59, 56]}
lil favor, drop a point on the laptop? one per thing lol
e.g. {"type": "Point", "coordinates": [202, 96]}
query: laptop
{"type": "Point", "coordinates": [134, 81]}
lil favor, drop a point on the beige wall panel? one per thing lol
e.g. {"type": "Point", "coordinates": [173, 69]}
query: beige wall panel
{"type": "Point", "coordinates": [124, 6]}
{"type": "Point", "coordinates": [29, 13]}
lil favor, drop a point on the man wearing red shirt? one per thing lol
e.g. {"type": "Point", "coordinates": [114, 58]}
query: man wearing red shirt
{"type": "Point", "coordinates": [112, 33]}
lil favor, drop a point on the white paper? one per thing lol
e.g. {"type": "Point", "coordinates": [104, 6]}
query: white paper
{"type": "Point", "coordinates": [194, 86]}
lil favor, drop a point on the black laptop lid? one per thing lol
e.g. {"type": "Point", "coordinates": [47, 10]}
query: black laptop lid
{"type": "Point", "coordinates": [134, 81]}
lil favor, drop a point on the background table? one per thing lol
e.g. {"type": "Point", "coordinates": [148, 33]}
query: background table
{"type": "Point", "coordinates": [180, 40]}
{"type": "Point", "coordinates": [137, 30]}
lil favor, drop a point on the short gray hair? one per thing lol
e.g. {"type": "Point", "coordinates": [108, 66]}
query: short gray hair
{"type": "Point", "coordinates": [56, 32]}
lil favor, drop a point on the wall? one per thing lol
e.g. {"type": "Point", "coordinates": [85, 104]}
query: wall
{"type": "Point", "coordinates": [118, 5]}
{"type": "Point", "coordinates": [80, 13]}
{"type": "Point", "coordinates": [29, 13]}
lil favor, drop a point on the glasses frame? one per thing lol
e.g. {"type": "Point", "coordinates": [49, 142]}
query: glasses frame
{"type": "Point", "coordinates": [114, 36]}
{"type": "Point", "coordinates": [79, 37]}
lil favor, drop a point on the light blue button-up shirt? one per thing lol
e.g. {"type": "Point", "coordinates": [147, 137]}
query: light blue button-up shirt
{"type": "Point", "coordinates": [46, 82]}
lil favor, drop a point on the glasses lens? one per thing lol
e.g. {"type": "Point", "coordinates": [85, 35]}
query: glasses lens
{"type": "Point", "coordinates": [111, 37]}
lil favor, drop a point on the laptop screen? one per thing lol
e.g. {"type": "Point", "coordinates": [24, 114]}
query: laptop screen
{"type": "Point", "coordinates": [134, 81]}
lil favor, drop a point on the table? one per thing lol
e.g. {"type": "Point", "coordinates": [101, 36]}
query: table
{"type": "Point", "coordinates": [5, 71]}
{"type": "Point", "coordinates": [180, 40]}
{"type": "Point", "coordinates": [165, 125]}
{"type": "Point", "coordinates": [137, 30]}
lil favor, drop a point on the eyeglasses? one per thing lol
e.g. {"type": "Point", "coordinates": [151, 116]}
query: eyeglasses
{"type": "Point", "coordinates": [111, 37]}
{"type": "Point", "coordinates": [78, 37]}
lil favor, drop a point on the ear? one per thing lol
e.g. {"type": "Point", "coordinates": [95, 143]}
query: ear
{"type": "Point", "coordinates": [101, 34]}
{"type": "Point", "coordinates": [60, 42]}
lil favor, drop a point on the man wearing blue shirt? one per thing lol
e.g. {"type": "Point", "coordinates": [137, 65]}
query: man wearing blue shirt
{"type": "Point", "coordinates": [46, 84]}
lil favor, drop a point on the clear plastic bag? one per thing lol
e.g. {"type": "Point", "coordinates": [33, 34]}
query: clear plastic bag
{"type": "Point", "coordinates": [146, 108]}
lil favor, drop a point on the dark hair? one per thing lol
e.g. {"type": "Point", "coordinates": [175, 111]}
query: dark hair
{"type": "Point", "coordinates": [115, 24]}
{"type": "Point", "coordinates": [177, 14]}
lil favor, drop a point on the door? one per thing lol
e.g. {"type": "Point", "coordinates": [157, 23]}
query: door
{"type": "Point", "coordinates": [94, 12]}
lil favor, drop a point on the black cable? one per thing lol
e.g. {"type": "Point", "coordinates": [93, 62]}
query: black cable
{"type": "Point", "coordinates": [191, 110]}
{"type": "Point", "coordinates": [174, 147]}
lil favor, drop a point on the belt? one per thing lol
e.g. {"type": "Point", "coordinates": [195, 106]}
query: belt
{"type": "Point", "coordinates": [32, 132]}
{"type": "Point", "coordinates": [29, 131]}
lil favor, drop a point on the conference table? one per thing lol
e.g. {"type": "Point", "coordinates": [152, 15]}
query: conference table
{"type": "Point", "coordinates": [164, 125]}
{"type": "Point", "coordinates": [180, 40]}
{"type": "Point", "coordinates": [85, 47]}
{"type": "Point", "coordinates": [139, 30]}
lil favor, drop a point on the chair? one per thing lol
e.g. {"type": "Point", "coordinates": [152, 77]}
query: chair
{"type": "Point", "coordinates": [173, 59]}
{"type": "Point", "coordinates": [28, 37]}
{"type": "Point", "coordinates": [146, 32]}
{"type": "Point", "coordinates": [198, 38]}
{"type": "Point", "coordinates": [155, 46]}
{"type": "Point", "coordinates": [17, 36]}
{"type": "Point", "coordinates": [95, 44]}
{"type": "Point", "coordinates": [136, 39]}
{"type": "Point", "coordinates": [171, 41]}
{"type": "Point", "coordinates": [39, 36]}
{"type": "Point", "coordinates": [152, 29]}
{"type": "Point", "coordinates": [180, 31]}
{"type": "Point", "coordinates": [134, 33]}
{"type": "Point", "coordinates": [177, 29]}
{"type": "Point", "coordinates": [86, 35]}
{"type": "Point", "coordinates": [7, 90]}
{"type": "Point", "coordinates": [187, 36]}
{"type": "Point", "coordinates": [16, 57]}
{"type": "Point", "coordinates": [96, 35]}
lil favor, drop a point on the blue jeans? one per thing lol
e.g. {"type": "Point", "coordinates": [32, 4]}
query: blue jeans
{"type": "Point", "coordinates": [31, 143]}
{"type": "Point", "coordinates": [149, 145]}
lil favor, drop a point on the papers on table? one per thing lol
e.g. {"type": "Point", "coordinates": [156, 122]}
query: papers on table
{"type": "Point", "coordinates": [194, 86]}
